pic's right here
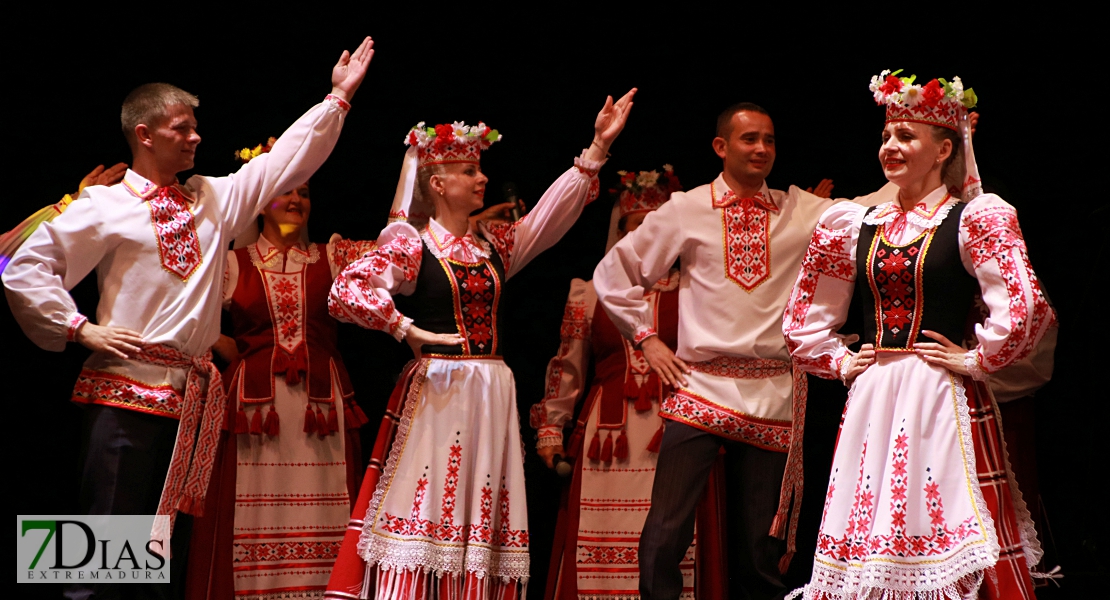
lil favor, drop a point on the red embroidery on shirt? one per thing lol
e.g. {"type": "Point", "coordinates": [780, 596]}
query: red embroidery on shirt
{"type": "Point", "coordinates": [503, 239]}
{"type": "Point", "coordinates": [75, 323]}
{"type": "Point", "coordinates": [100, 387]}
{"type": "Point", "coordinates": [353, 296]}
{"type": "Point", "coordinates": [742, 367]}
{"type": "Point", "coordinates": [175, 228]}
{"type": "Point", "coordinates": [696, 411]}
{"type": "Point", "coordinates": [827, 255]}
{"type": "Point", "coordinates": [993, 233]}
{"type": "Point", "coordinates": [268, 552]}
{"type": "Point", "coordinates": [747, 241]}
{"type": "Point", "coordinates": [643, 335]}
{"type": "Point", "coordinates": [345, 252]}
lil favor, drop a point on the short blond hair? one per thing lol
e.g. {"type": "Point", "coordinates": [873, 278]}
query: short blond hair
{"type": "Point", "coordinates": [149, 102]}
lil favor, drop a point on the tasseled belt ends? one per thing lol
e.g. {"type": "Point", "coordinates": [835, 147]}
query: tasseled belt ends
{"type": "Point", "coordinates": [315, 421]}
{"type": "Point", "coordinates": [642, 396]}
{"type": "Point", "coordinates": [610, 449]}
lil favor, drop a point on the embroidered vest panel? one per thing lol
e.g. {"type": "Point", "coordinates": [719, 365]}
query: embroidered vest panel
{"type": "Point", "coordinates": [281, 326]}
{"type": "Point", "coordinates": [455, 297]}
{"type": "Point", "coordinates": [614, 358]}
{"type": "Point", "coordinates": [913, 287]}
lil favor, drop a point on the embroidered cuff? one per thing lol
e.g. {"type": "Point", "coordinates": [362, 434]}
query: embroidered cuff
{"type": "Point", "coordinates": [343, 104]}
{"type": "Point", "coordinates": [401, 328]}
{"type": "Point", "coordinates": [971, 363]}
{"type": "Point", "coordinates": [843, 363]}
{"type": "Point", "coordinates": [642, 334]}
{"type": "Point", "coordinates": [589, 168]}
{"type": "Point", "coordinates": [75, 323]}
{"type": "Point", "coordinates": [548, 436]}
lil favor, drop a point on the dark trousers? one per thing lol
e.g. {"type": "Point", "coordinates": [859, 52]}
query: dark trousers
{"type": "Point", "coordinates": [753, 478]}
{"type": "Point", "coordinates": [127, 456]}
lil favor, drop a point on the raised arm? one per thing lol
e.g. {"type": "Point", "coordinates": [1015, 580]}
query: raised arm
{"type": "Point", "coordinates": [818, 304]}
{"type": "Point", "coordinates": [556, 211]}
{"type": "Point", "coordinates": [566, 373]}
{"type": "Point", "coordinates": [342, 253]}
{"type": "Point", "coordinates": [299, 152]}
{"type": "Point", "coordinates": [363, 292]}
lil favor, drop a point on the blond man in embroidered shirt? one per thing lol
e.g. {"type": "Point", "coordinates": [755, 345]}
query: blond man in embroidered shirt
{"type": "Point", "coordinates": [740, 245]}
{"type": "Point", "coordinates": [159, 249]}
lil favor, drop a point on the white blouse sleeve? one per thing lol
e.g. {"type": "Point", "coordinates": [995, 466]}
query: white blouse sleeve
{"type": "Point", "coordinates": [343, 252]}
{"type": "Point", "coordinates": [993, 249]}
{"type": "Point", "coordinates": [566, 373]}
{"type": "Point", "coordinates": [557, 210]}
{"type": "Point", "coordinates": [634, 264]}
{"type": "Point", "coordinates": [56, 257]}
{"type": "Point", "coordinates": [363, 292]}
{"type": "Point", "coordinates": [818, 304]}
{"type": "Point", "coordinates": [296, 155]}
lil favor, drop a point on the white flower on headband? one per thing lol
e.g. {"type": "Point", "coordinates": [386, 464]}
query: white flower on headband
{"type": "Point", "coordinates": [958, 88]}
{"type": "Point", "coordinates": [911, 95]}
{"type": "Point", "coordinates": [647, 179]}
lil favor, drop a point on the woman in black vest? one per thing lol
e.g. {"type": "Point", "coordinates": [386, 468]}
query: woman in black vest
{"type": "Point", "coordinates": [918, 503]}
{"type": "Point", "coordinates": [446, 516]}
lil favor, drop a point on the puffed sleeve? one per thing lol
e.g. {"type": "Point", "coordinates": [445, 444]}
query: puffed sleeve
{"type": "Point", "coordinates": [56, 257]}
{"type": "Point", "coordinates": [294, 157]}
{"type": "Point", "coordinates": [634, 264]}
{"type": "Point", "coordinates": [566, 372]}
{"type": "Point", "coordinates": [818, 304]}
{"type": "Point", "coordinates": [363, 292]}
{"type": "Point", "coordinates": [557, 210]}
{"type": "Point", "coordinates": [343, 252]}
{"type": "Point", "coordinates": [993, 249]}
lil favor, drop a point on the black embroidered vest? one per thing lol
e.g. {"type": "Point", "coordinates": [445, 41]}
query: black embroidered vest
{"type": "Point", "coordinates": [917, 286]}
{"type": "Point", "coordinates": [456, 297]}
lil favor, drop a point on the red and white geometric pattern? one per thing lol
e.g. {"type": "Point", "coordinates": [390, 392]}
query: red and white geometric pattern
{"type": "Point", "coordinates": [828, 255]}
{"type": "Point", "coordinates": [178, 244]}
{"type": "Point", "coordinates": [747, 238]}
{"type": "Point", "coordinates": [993, 233]}
{"type": "Point", "coordinates": [353, 297]}
{"type": "Point", "coordinates": [101, 387]}
{"type": "Point", "coordinates": [285, 291]}
{"type": "Point", "coordinates": [742, 367]}
{"type": "Point", "coordinates": [696, 411]}
{"type": "Point", "coordinates": [75, 323]}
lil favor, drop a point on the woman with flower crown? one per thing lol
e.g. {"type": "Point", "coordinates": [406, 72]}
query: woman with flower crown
{"type": "Point", "coordinates": [447, 517]}
{"type": "Point", "coordinates": [919, 502]}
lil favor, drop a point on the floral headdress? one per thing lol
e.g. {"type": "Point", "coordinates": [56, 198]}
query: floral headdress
{"type": "Point", "coordinates": [454, 143]}
{"type": "Point", "coordinates": [246, 154]}
{"type": "Point", "coordinates": [439, 145]}
{"type": "Point", "coordinates": [645, 191]}
{"type": "Point", "coordinates": [940, 103]}
{"type": "Point", "coordinates": [639, 192]}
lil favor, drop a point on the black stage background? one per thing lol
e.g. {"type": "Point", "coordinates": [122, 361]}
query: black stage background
{"type": "Point", "coordinates": [540, 78]}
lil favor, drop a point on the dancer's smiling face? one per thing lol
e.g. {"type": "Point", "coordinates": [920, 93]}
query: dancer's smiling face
{"type": "Point", "coordinates": [910, 152]}
{"type": "Point", "coordinates": [462, 185]}
{"type": "Point", "coordinates": [289, 212]}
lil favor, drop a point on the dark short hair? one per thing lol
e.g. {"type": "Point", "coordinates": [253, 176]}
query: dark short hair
{"type": "Point", "coordinates": [149, 102]}
{"type": "Point", "coordinates": [724, 120]}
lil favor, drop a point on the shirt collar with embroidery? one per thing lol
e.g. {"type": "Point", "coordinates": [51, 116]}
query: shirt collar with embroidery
{"type": "Point", "coordinates": [927, 213]}
{"type": "Point", "coordinates": [265, 254]}
{"type": "Point", "coordinates": [724, 196]}
{"type": "Point", "coordinates": [443, 244]}
{"type": "Point", "coordinates": [144, 188]}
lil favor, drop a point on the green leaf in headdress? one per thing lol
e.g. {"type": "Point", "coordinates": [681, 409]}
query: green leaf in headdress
{"type": "Point", "coordinates": [492, 136]}
{"type": "Point", "coordinates": [970, 99]}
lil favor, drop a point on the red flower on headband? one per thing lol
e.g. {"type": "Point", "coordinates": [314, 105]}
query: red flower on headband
{"type": "Point", "coordinates": [628, 178]}
{"type": "Point", "coordinates": [445, 134]}
{"type": "Point", "coordinates": [932, 93]}
{"type": "Point", "coordinates": [412, 138]}
{"type": "Point", "coordinates": [891, 85]}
